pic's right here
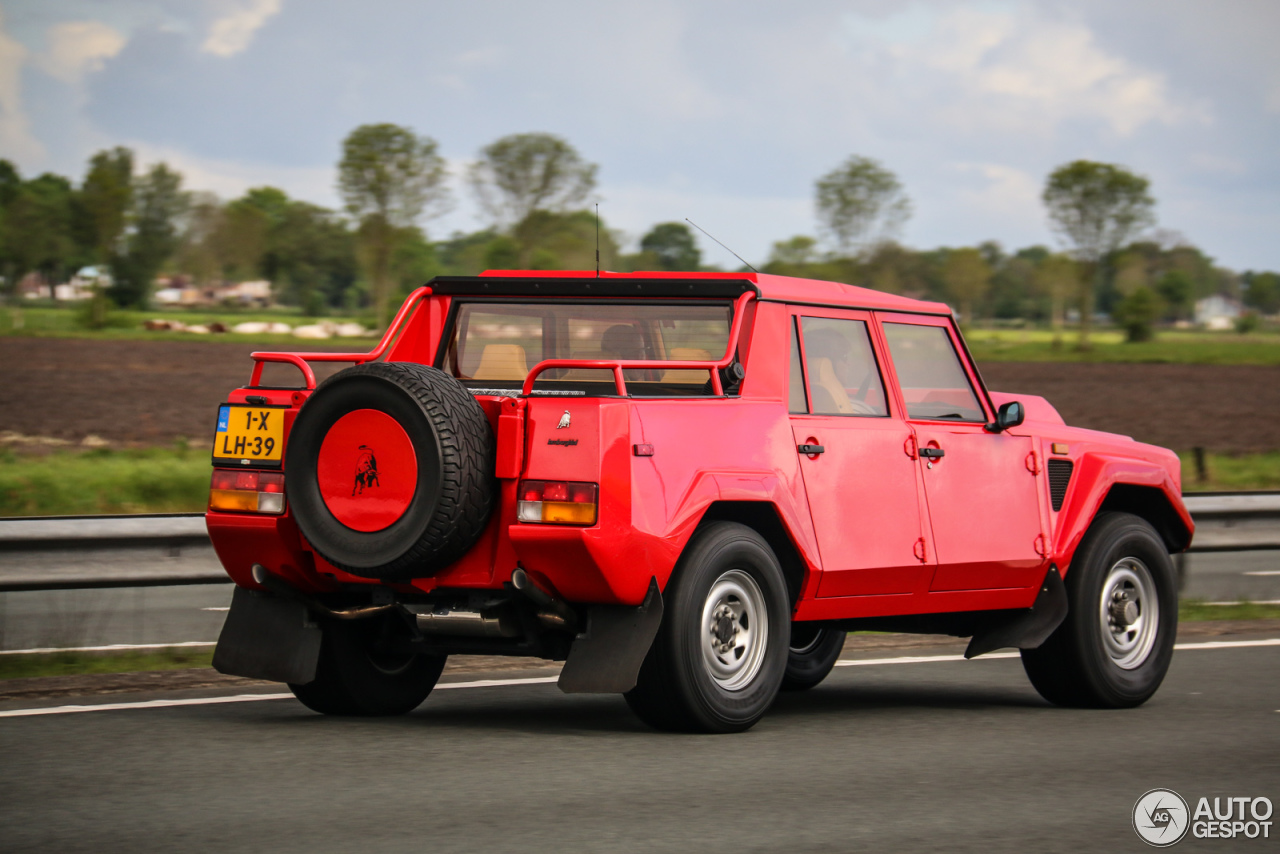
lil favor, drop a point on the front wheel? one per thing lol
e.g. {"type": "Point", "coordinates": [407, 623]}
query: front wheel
{"type": "Point", "coordinates": [1115, 646]}
{"type": "Point", "coordinates": [357, 676]}
{"type": "Point", "coordinates": [720, 654]}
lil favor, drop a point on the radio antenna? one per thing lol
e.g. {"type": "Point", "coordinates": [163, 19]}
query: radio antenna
{"type": "Point", "coordinates": [727, 249]}
{"type": "Point", "coordinates": [597, 240]}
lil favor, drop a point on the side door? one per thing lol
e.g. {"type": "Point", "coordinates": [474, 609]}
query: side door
{"type": "Point", "coordinates": [982, 489]}
{"type": "Point", "coordinates": [861, 482]}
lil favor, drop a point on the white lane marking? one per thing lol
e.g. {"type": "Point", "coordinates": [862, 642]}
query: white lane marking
{"type": "Point", "coordinates": [227, 608]}
{"type": "Point", "coordinates": [540, 680]}
{"type": "Point", "coordinates": [1263, 572]}
{"type": "Point", "coordinates": [147, 704]}
{"type": "Point", "coordinates": [115, 647]}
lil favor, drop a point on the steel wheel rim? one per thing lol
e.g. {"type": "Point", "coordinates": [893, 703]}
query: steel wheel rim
{"type": "Point", "coordinates": [734, 630]}
{"type": "Point", "coordinates": [1129, 613]}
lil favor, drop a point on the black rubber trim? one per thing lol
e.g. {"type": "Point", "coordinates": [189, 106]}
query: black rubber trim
{"type": "Point", "coordinates": [588, 287]}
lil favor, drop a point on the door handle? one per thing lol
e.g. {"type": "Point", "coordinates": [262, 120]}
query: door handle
{"type": "Point", "coordinates": [932, 453]}
{"type": "Point", "coordinates": [811, 449]}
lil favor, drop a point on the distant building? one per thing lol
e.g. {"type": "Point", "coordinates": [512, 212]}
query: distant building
{"type": "Point", "coordinates": [1218, 312]}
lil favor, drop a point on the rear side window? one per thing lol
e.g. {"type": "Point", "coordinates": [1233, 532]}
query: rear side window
{"type": "Point", "coordinates": [497, 343]}
{"type": "Point", "coordinates": [843, 376]}
{"type": "Point", "coordinates": [933, 382]}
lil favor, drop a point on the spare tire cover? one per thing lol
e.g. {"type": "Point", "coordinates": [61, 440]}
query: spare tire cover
{"type": "Point", "coordinates": [389, 470]}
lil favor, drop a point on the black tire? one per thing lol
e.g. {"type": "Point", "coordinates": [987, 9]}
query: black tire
{"type": "Point", "coordinates": [1107, 661]}
{"type": "Point", "coordinates": [354, 679]}
{"type": "Point", "coordinates": [679, 688]}
{"type": "Point", "coordinates": [812, 653]}
{"type": "Point", "coordinates": [454, 448]}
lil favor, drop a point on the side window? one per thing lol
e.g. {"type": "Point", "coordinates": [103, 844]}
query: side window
{"type": "Point", "coordinates": [934, 384]}
{"type": "Point", "coordinates": [843, 376]}
{"type": "Point", "coordinates": [797, 402]}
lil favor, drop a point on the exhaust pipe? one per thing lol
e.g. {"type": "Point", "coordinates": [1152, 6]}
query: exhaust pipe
{"type": "Point", "coordinates": [467, 623]}
{"type": "Point", "coordinates": [279, 586]}
{"type": "Point", "coordinates": [552, 612]}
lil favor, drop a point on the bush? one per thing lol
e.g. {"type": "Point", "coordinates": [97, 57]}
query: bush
{"type": "Point", "coordinates": [1137, 313]}
{"type": "Point", "coordinates": [1247, 322]}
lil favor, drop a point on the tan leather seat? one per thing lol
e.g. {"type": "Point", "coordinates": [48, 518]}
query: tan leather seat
{"type": "Point", "coordinates": [502, 362]}
{"type": "Point", "coordinates": [687, 354]}
{"type": "Point", "coordinates": [824, 374]}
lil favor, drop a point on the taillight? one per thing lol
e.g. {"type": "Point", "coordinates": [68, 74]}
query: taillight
{"type": "Point", "coordinates": [557, 501]}
{"type": "Point", "coordinates": [247, 491]}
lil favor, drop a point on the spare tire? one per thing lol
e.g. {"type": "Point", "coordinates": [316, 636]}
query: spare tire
{"type": "Point", "coordinates": [390, 470]}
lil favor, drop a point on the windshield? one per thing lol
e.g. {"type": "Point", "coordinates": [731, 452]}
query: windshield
{"type": "Point", "coordinates": [495, 344]}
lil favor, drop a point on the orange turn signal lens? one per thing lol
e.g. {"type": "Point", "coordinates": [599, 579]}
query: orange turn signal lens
{"type": "Point", "coordinates": [557, 502]}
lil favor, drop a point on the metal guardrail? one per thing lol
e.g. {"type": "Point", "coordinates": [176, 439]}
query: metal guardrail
{"type": "Point", "coordinates": [79, 552]}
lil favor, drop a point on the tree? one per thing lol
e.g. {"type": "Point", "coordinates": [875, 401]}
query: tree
{"type": "Point", "coordinates": [860, 203]}
{"type": "Point", "coordinates": [1057, 276]}
{"type": "Point", "coordinates": [158, 206]}
{"type": "Point", "coordinates": [105, 197]}
{"type": "Point", "coordinates": [674, 245]}
{"type": "Point", "coordinates": [1263, 292]}
{"type": "Point", "coordinates": [527, 172]}
{"type": "Point", "coordinates": [38, 228]}
{"type": "Point", "coordinates": [1096, 207]}
{"type": "Point", "coordinates": [389, 178]}
{"type": "Point", "coordinates": [1178, 292]}
{"type": "Point", "coordinates": [968, 278]}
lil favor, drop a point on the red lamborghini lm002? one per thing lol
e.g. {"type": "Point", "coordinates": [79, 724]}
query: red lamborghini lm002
{"type": "Point", "coordinates": [689, 488]}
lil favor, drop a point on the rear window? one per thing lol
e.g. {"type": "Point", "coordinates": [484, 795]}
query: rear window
{"type": "Point", "coordinates": [494, 344]}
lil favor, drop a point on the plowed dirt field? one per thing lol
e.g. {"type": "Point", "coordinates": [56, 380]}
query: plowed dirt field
{"type": "Point", "coordinates": [154, 392]}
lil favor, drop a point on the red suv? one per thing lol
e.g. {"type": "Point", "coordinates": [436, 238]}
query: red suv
{"type": "Point", "coordinates": [689, 488]}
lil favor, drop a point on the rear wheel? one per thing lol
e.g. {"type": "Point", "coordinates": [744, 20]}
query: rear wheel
{"type": "Point", "coordinates": [358, 676]}
{"type": "Point", "coordinates": [1114, 647]}
{"type": "Point", "coordinates": [813, 653]}
{"type": "Point", "coordinates": [720, 654]}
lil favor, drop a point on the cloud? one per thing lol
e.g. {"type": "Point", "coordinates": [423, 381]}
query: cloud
{"type": "Point", "coordinates": [76, 47]}
{"type": "Point", "coordinates": [1023, 73]}
{"type": "Point", "coordinates": [231, 33]}
{"type": "Point", "coordinates": [16, 139]}
{"type": "Point", "coordinates": [1008, 192]}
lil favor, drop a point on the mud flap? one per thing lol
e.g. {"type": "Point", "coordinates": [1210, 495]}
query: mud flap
{"type": "Point", "coordinates": [1025, 629]}
{"type": "Point", "coordinates": [266, 637]}
{"type": "Point", "coordinates": [606, 658]}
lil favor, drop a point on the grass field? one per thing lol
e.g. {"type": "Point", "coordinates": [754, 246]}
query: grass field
{"type": "Point", "coordinates": [146, 480]}
{"type": "Point", "coordinates": [176, 480]}
{"type": "Point", "coordinates": [1108, 345]}
{"type": "Point", "coordinates": [59, 322]}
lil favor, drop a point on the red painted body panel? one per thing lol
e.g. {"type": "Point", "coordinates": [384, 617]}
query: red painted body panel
{"type": "Point", "coordinates": [875, 530]}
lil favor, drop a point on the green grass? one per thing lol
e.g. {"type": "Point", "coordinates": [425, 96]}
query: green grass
{"type": "Point", "coordinates": [1228, 473]}
{"type": "Point", "coordinates": [80, 663]}
{"type": "Point", "coordinates": [66, 322]}
{"type": "Point", "coordinates": [146, 480]}
{"type": "Point", "coordinates": [1108, 345]}
{"type": "Point", "coordinates": [1194, 611]}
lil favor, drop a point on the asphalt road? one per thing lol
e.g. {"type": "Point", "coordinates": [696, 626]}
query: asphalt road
{"type": "Point", "coordinates": [890, 757]}
{"type": "Point", "coordinates": [158, 615]}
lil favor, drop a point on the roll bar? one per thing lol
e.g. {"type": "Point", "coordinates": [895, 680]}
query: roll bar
{"type": "Point", "coordinates": [617, 365]}
{"type": "Point", "coordinates": [300, 360]}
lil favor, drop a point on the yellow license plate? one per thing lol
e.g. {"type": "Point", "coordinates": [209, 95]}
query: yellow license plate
{"type": "Point", "coordinates": [248, 434]}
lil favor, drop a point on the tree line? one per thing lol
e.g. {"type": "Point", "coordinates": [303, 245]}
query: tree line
{"type": "Point", "coordinates": [534, 190]}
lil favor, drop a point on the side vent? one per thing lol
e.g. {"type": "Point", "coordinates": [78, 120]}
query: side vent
{"type": "Point", "coordinates": [1059, 477]}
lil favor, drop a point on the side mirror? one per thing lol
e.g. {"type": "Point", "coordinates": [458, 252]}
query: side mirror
{"type": "Point", "coordinates": [1011, 414]}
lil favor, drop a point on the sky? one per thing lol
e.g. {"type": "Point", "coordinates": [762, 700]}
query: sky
{"type": "Point", "coordinates": [721, 111]}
